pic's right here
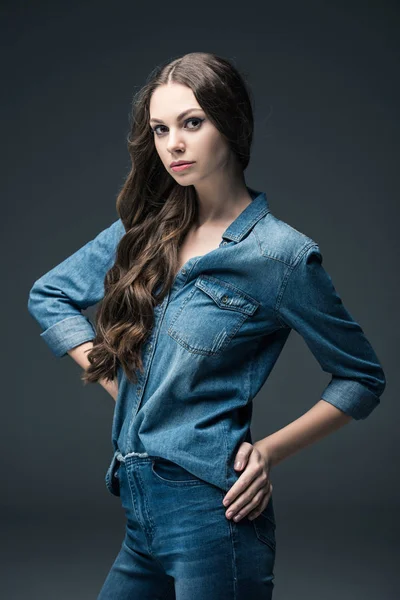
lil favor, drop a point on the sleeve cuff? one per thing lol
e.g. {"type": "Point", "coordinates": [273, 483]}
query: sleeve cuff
{"type": "Point", "coordinates": [68, 333]}
{"type": "Point", "coordinates": [351, 397]}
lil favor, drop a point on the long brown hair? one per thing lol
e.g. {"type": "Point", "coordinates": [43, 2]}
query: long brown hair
{"type": "Point", "coordinates": [157, 212]}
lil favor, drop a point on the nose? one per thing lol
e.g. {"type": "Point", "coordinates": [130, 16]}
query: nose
{"type": "Point", "coordinates": [175, 142]}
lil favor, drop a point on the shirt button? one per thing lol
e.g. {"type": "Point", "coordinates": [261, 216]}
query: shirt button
{"type": "Point", "coordinates": [183, 271]}
{"type": "Point", "coordinates": [224, 299]}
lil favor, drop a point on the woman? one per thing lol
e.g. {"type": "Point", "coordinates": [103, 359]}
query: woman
{"type": "Point", "coordinates": [199, 286]}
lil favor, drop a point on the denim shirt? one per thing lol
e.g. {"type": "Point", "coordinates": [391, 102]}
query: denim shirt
{"type": "Point", "coordinates": [216, 337]}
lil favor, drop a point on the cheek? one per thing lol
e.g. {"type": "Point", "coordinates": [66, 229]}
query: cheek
{"type": "Point", "coordinates": [219, 155]}
{"type": "Point", "coordinates": [215, 149]}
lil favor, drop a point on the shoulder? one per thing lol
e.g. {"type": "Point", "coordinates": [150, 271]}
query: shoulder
{"type": "Point", "coordinates": [278, 240]}
{"type": "Point", "coordinates": [112, 234]}
{"type": "Point", "coordinates": [116, 228]}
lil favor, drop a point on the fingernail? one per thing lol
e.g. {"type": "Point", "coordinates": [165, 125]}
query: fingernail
{"type": "Point", "coordinates": [238, 465]}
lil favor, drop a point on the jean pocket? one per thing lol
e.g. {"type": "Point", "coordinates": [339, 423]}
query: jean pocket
{"type": "Point", "coordinates": [173, 474]}
{"type": "Point", "coordinates": [265, 525]}
{"type": "Point", "coordinates": [111, 478]}
{"type": "Point", "coordinates": [211, 316]}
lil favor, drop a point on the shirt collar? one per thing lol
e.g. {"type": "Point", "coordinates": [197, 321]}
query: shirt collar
{"type": "Point", "coordinates": [248, 217]}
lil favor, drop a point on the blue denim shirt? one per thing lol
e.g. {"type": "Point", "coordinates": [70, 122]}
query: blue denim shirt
{"type": "Point", "coordinates": [216, 338]}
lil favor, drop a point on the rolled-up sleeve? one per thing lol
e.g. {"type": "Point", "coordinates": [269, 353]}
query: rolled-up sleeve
{"type": "Point", "coordinates": [309, 303]}
{"type": "Point", "coordinates": [57, 298]}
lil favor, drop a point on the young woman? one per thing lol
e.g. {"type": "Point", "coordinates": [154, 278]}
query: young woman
{"type": "Point", "coordinates": [199, 286]}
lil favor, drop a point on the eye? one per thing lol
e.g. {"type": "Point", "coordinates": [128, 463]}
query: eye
{"type": "Point", "coordinates": [195, 119]}
{"type": "Point", "coordinates": [198, 119]}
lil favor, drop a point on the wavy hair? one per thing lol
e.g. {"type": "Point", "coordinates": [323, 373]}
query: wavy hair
{"type": "Point", "coordinates": [157, 212]}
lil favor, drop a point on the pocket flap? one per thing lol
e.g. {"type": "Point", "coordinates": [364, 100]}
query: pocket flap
{"type": "Point", "coordinates": [226, 295]}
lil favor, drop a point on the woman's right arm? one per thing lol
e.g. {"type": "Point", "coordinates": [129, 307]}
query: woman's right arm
{"type": "Point", "coordinates": [57, 298]}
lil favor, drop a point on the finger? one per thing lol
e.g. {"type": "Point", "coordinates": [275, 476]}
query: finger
{"type": "Point", "coordinates": [247, 496]}
{"type": "Point", "coordinates": [263, 505]}
{"type": "Point", "coordinates": [243, 455]}
{"type": "Point", "coordinates": [257, 501]}
{"type": "Point", "coordinates": [244, 481]}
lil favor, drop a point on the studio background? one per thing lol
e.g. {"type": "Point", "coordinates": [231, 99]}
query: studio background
{"type": "Point", "coordinates": [325, 82]}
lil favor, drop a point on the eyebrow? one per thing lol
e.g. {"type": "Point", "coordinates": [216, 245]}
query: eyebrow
{"type": "Point", "coordinates": [179, 117]}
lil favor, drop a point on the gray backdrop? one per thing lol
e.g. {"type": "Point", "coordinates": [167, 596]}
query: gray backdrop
{"type": "Point", "coordinates": [326, 85]}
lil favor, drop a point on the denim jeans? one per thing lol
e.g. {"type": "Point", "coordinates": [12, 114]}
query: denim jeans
{"type": "Point", "coordinates": [178, 542]}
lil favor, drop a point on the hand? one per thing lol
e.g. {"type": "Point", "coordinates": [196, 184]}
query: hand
{"type": "Point", "coordinates": [250, 494]}
{"type": "Point", "coordinates": [111, 386]}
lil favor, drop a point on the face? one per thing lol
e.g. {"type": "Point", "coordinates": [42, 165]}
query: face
{"type": "Point", "coordinates": [189, 137]}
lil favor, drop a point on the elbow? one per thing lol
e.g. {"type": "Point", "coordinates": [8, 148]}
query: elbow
{"type": "Point", "coordinates": [357, 397]}
{"type": "Point", "coordinates": [375, 378]}
{"type": "Point", "coordinates": [376, 386]}
{"type": "Point", "coordinates": [380, 382]}
{"type": "Point", "coordinates": [41, 303]}
{"type": "Point", "coordinates": [35, 298]}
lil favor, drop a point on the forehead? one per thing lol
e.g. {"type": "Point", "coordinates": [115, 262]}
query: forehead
{"type": "Point", "coordinates": [168, 101]}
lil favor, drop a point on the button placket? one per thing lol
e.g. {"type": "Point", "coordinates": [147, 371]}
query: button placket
{"type": "Point", "coordinates": [159, 311]}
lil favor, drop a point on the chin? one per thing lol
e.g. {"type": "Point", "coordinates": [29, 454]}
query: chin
{"type": "Point", "coordinates": [185, 181]}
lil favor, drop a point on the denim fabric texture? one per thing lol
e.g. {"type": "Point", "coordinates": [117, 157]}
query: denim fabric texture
{"type": "Point", "coordinates": [178, 544]}
{"type": "Point", "coordinates": [216, 338]}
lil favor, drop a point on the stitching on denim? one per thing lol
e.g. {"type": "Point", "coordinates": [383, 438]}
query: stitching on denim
{"type": "Point", "coordinates": [144, 376]}
{"type": "Point", "coordinates": [241, 318]}
{"type": "Point", "coordinates": [134, 504]}
{"type": "Point", "coordinates": [263, 537]}
{"type": "Point", "coordinates": [230, 286]}
{"type": "Point", "coordinates": [173, 333]}
{"type": "Point", "coordinates": [284, 262]}
{"type": "Point", "coordinates": [177, 483]}
{"type": "Point", "coordinates": [268, 256]}
{"type": "Point", "coordinates": [182, 306]}
{"type": "Point", "coordinates": [149, 520]}
{"type": "Point", "coordinates": [287, 277]}
{"type": "Point", "coordinates": [250, 224]}
{"type": "Point", "coordinates": [78, 317]}
{"type": "Point", "coordinates": [226, 456]}
{"type": "Point", "coordinates": [233, 532]}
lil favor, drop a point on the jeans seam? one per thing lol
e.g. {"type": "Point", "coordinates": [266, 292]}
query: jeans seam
{"type": "Point", "coordinates": [232, 532]}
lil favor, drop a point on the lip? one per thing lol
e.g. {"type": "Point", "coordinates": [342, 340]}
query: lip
{"type": "Point", "coordinates": [175, 163]}
{"type": "Point", "coordinates": [181, 165]}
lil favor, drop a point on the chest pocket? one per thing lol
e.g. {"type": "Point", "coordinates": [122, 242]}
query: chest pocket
{"type": "Point", "coordinates": [211, 315]}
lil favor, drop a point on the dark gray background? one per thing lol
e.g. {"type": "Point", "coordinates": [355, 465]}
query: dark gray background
{"type": "Point", "coordinates": [325, 80]}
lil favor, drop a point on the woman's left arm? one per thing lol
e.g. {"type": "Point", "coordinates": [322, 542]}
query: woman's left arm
{"type": "Point", "coordinates": [322, 419]}
{"type": "Point", "coordinates": [309, 303]}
